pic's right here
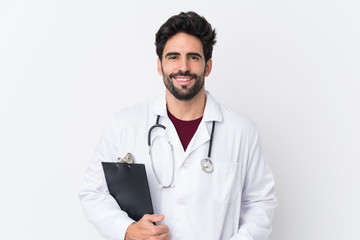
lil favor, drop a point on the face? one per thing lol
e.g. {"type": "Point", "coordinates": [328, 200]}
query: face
{"type": "Point", "coordinates": [183, 66]}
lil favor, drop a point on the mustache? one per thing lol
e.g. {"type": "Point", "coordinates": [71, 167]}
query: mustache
{"type": "Point", "coordinates": [181, 73]}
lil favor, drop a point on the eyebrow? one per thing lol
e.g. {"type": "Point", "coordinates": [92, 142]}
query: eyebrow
{"type": "Point", "coordinates": [178, 54]}
{"type": "Point", "coordinates": [172, 54]}
{"type": "Point", "coordinates": [194, 54]}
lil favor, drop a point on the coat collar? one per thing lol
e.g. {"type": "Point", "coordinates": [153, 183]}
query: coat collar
{"type": "Point", "coordinates": [211, 113]}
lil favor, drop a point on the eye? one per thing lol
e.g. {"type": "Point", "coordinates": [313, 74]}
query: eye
{"type": "Point", "coordinates": [173, 57]}
{"type": "Point", "coordinates": [194, 58]}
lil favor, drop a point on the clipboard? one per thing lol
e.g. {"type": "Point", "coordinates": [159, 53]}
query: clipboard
{"type": "Point", "coordinates": [128, 184]}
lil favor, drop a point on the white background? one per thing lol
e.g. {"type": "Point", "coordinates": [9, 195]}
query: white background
{"type": "Point", "coordinates": [291, 66]}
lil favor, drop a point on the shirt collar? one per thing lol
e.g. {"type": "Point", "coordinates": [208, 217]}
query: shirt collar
{"type": "Point", "coordinates": [211, 113]}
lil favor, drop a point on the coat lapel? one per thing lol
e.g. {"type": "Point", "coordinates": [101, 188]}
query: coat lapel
{"type": "Point", "coordinates": [201, 136]}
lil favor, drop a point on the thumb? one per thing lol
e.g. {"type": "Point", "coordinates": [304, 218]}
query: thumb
{"type": "Point", "coordinates": [154, 217]}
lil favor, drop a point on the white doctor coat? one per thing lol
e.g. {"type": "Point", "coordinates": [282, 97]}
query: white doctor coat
{"type": "Point", "coordinates": [235, 201]}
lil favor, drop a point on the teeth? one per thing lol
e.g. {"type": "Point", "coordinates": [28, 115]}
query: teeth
{"type": "Point", "coordinates": [183, 79]}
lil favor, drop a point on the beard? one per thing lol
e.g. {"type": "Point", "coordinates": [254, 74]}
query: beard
{"type": "Point", "coordinates": [184, 93]}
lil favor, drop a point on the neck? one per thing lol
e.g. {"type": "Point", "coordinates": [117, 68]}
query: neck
{"type": "Point", "coordinates": [186, 110]}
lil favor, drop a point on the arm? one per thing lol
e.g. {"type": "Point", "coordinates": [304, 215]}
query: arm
{"type": "Point", "coordinates": [102, 210]}
{"type": "Point", "coordinates": [258, 196]}
{"type": "Point", "coordinates": [99, 207]}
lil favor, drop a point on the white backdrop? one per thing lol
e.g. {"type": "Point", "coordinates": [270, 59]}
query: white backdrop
{"type": "Point", "coordinates": [291, 66]}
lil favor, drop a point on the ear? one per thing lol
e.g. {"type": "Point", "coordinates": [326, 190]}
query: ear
{"type": "Point", "coordinates": [208, 67]}
{"type": "Point", "coordinates": [159, 67]}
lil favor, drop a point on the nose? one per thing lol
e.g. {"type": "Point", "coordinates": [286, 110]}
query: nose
{"type": "Point", "coordinates": [184, 65]}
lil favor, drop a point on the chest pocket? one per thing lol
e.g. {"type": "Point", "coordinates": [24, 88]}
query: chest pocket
{"type": "Point", "coordinates": [226, 181]}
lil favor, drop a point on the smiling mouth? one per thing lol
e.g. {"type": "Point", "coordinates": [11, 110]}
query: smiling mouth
{"type": "Point", "coordinates": [182, 76]}
{"type": "Point", "coordinates": [182, 79]}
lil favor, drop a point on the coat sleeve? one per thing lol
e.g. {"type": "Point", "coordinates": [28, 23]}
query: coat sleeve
{"type": "Point", "coordinates": [99, 207]}
{"type": "Point", "coordinates": [258, 196]}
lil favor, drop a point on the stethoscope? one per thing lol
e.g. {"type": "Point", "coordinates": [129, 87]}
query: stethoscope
{"type": "Point", "coordinates": [206, 163]}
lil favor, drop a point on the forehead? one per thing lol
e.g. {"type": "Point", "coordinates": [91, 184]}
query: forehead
{"type": "Point", "coordinates": [183, 43]}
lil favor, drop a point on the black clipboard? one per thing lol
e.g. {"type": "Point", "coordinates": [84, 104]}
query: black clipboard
{"type": "Point", "coordinates": [128, 184]}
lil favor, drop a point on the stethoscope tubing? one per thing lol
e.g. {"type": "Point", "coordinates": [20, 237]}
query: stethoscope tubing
{"type": "Point", "coordinates": [206, 164]}
{"type": "Point", "coordinates": [211, 139]}
{"type": "Point", "coordinates": [152, 127]}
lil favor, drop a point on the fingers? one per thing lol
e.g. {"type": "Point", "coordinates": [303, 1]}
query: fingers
{"type": "Point", "coordinates": [161, 229]}
{"type": "Point", "coordinates": [155, 229]}
{"type": "Point", "coordinates": [153, 217]}
{"type": "Point", "coordinates": [159, 237]}
{"type": "Point", "coordinates": [145, 229]}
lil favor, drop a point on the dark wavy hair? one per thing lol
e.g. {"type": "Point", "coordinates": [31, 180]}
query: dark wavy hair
{"type": "Point", "coordinates": [189, 23]}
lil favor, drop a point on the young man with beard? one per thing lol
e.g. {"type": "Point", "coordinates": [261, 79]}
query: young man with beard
{"type": "Point", "coordinates": [228, 196]}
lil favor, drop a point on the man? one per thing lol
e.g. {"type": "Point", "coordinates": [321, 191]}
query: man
{"type": "Point", "coordinates": [230, 196]}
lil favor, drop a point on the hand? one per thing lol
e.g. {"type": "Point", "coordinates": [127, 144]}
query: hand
{"type": "Point", "coordinates": [145, 229]}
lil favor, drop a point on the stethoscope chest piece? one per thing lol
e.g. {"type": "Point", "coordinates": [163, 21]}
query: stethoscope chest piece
{"type": "Point", "coordinates": [207, 165]}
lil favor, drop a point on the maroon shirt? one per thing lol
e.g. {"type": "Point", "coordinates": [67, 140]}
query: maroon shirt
{"type": "Point", "coordinates": [185, 129]}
